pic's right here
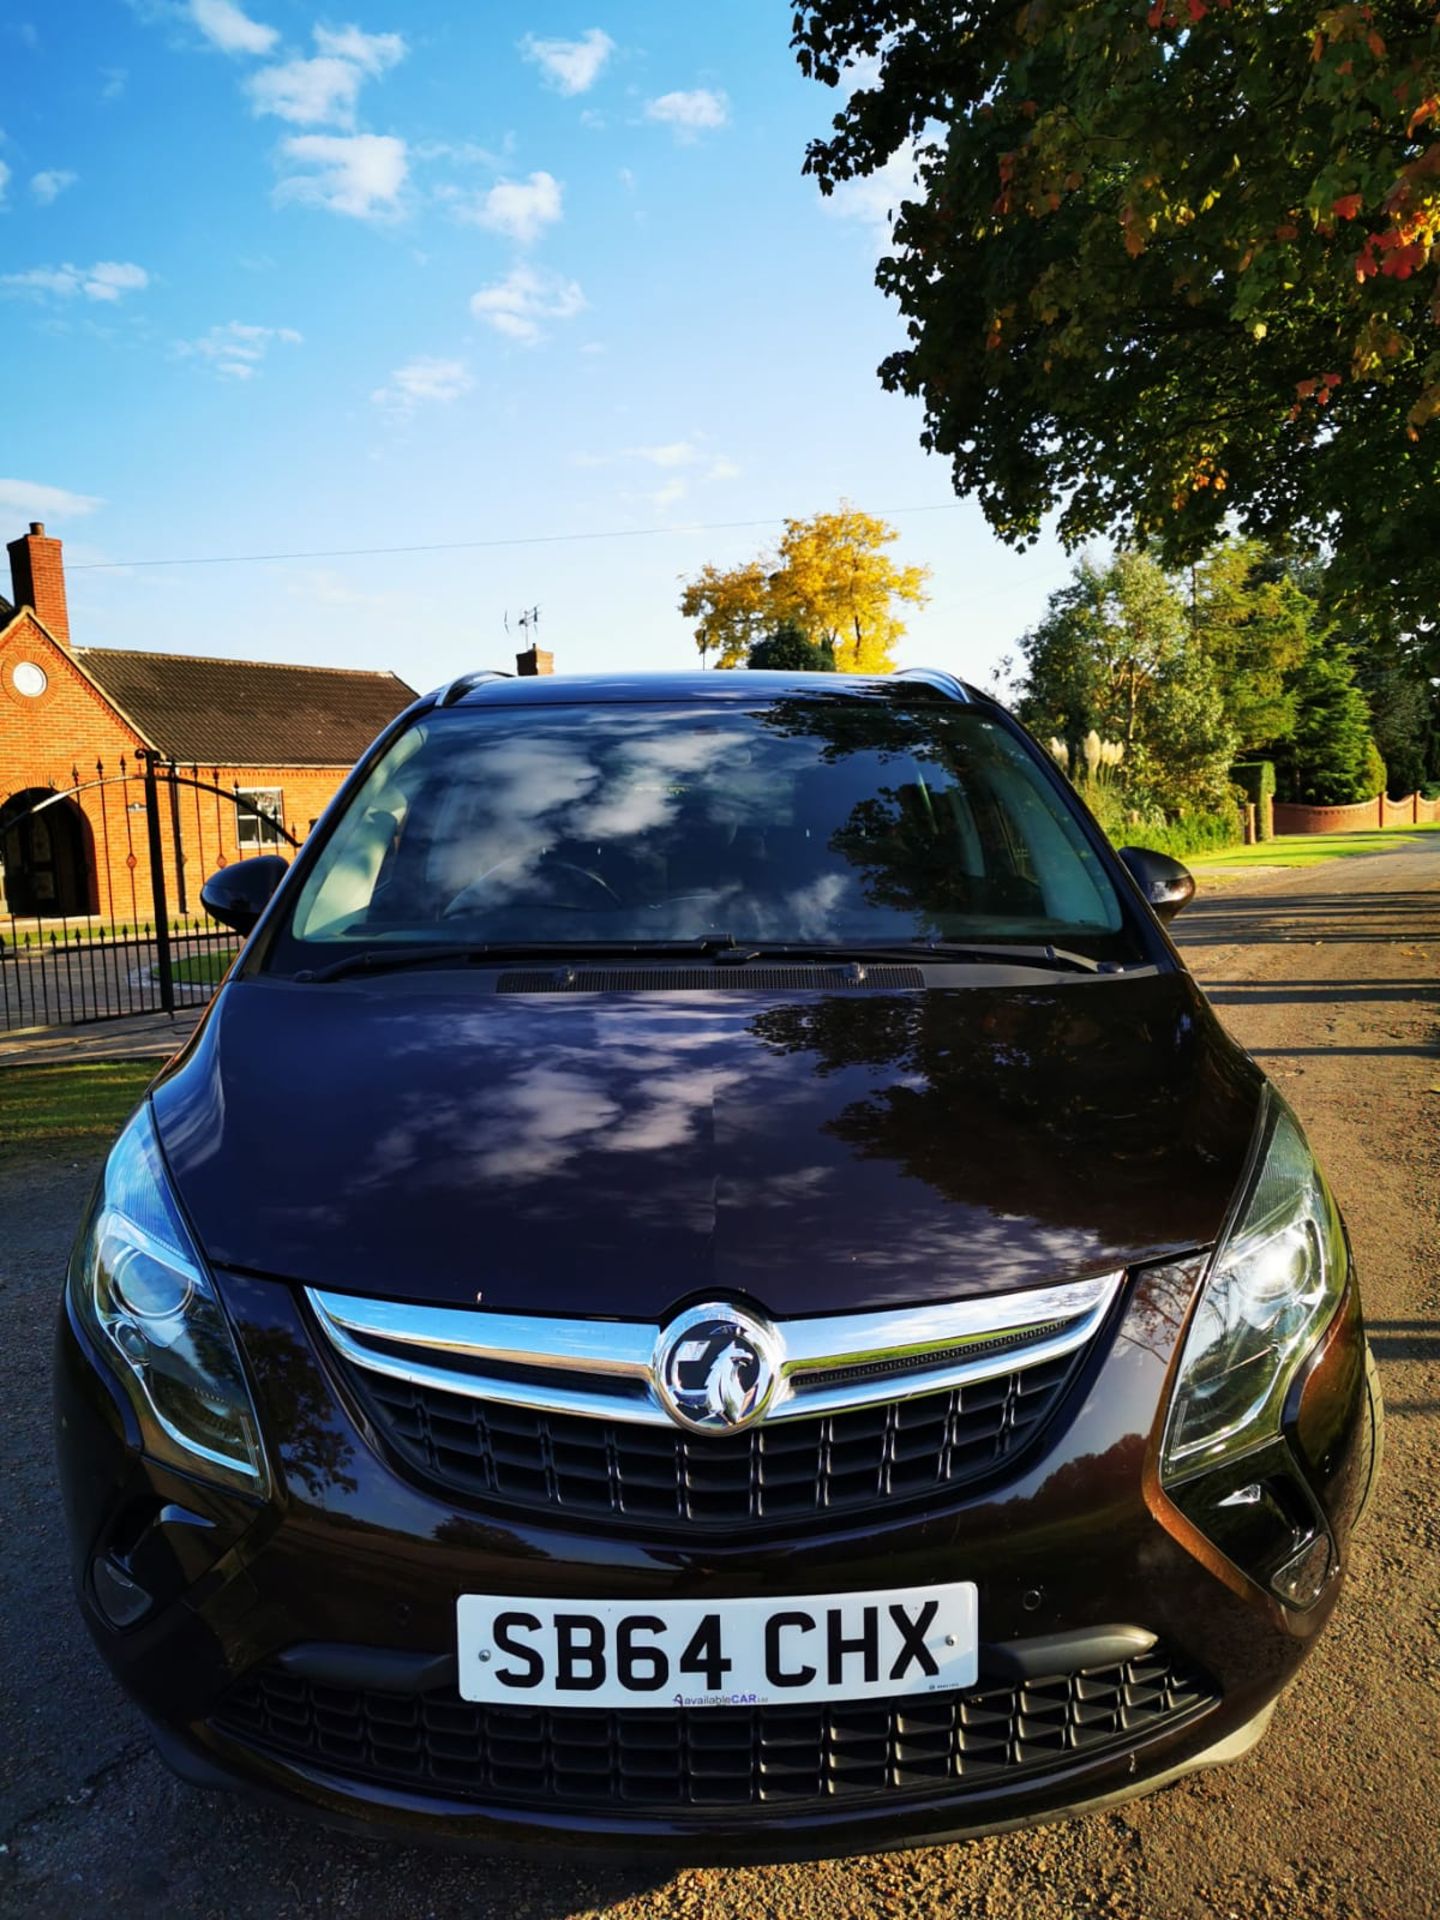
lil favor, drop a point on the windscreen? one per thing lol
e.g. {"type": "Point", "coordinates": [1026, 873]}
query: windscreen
{"type": "Point", "coordinates": [837, 820]}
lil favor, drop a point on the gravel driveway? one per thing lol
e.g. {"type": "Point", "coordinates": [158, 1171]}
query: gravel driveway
{"type": "Point", "coordinates": [1330, 977]}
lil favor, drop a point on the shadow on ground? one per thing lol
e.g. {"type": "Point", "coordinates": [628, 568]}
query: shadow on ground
{"type": "Point", "coordinates": [1264, 919]}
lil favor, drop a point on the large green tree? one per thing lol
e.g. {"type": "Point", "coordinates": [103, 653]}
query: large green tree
{"type": "Point", "coordinates": [1394, 674]}
{"type": "Point", "coordinates": [1114, 654]}
{"type": "Point", "coordinates": [1330, 758]}
{"type": "Point", "coordinates": [1255, 623]}
{"type": "Point", "coordinates": [1162, 264]}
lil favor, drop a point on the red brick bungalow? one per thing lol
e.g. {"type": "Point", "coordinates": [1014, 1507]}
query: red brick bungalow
{"type": "Point", "coordinates": [72, 719]}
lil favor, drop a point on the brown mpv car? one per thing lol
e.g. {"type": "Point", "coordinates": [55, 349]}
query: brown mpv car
{"type": "Point", "coordinates": [709, 1282]}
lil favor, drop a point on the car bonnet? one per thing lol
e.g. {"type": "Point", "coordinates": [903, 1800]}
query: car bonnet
{"type": "Point", "coordinates": [410, 1138]}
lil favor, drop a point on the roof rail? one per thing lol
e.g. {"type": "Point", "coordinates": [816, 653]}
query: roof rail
{"type": "Point", "coordinates": [467, 682]}
{"type": "Point", "coordinates": [938, 678]}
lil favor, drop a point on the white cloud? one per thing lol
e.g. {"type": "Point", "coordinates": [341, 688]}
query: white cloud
{"type": "Point", "coordinates": [675, 453]}
{"type": "Point", "coordinates": [862, 74]}
{"type": "Point", "coordinates": [48, 186]}
{"type": "Point", "coordinates": [230, 28]}
{"type": "Point", "coordinates": [236, 350]}
{"type": "Point", "coordinates": [29, 500]}
{"type": "Point", "coordinates": [359, 174]}
{"type": "Point", "coordinates": [113, 81]}
{"type": "Point", "coordinates": [670, 494]}
{"type": "Point", "coordinates": [670, 456]}
{"type": "Point", "coordinates": [309, 93]}
{"type": "Point", "coordinates": [517, 305]}
{"type": "Point", "coordinates": [322, 91]}
{"type": "Point", "coordinates": [465, 153]}
{"type": "Point", "coordinates": [874, 201]}
{"type": "Point", "coordinates": [520, 209]}
{"type": "Point", "coordinates": [106, 280]}
{"type": "Point", "coordinates": [372, 51]}
{"type": "Point", "coordinates": [689, 114]}
{"type": "Point", "coordinates": [570, 66]}
{"type": "Point", "coordinates": [4, 178]}
{"type": "Point", "coordinates": [423, 379]}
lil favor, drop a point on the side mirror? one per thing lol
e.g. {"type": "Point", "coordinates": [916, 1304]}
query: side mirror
{"type": "Point", "coordinates": [237, 896]}
{"type": "Point", "coordinates": [1164, 882]}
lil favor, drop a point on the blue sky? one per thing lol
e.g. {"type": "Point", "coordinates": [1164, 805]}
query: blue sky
{"type": "Point", "coordinates": [278, 280]}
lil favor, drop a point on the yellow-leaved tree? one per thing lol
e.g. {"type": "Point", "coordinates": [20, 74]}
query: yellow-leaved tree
{"type": "Point", "coordinates": [731, 609]}
{"type": "Point", "coordinates": [830, 577]}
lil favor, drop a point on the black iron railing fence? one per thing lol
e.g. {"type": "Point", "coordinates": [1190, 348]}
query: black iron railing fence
{"type": "Point", "coordinates": [75, 971]}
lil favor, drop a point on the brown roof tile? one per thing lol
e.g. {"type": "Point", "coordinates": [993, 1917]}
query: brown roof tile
{"type": "Point", "coordinates": [247, 713]}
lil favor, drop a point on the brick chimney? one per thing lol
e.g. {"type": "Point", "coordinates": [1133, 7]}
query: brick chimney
{"type": "Point", "coordinates": [38, 574]}
{"type": "Point", "coordinates": [533, 661]}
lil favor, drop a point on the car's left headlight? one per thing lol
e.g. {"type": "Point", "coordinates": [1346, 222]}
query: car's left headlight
{"type": "Point", "coordinates": [140, 1288]}
{"type": "Point", "coordinates": [1272, 1286]}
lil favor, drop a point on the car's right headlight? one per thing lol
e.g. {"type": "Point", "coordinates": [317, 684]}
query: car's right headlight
{"type": "Point", "coordinates": [140, 1288]}
{"type": "Point", "coordinates": [1272, 1286]}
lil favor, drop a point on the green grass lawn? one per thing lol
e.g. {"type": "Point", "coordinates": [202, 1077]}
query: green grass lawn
{"type": "Point", "coordinates": [65, 1110]}
{"type": "Point", "coordinates": [1308, 849]}
{"type": "Point", "coordinates": [203, 969]}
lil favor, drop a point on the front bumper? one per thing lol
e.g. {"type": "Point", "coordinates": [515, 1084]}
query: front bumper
{"type": "Point", "coordinates": [830, 1833]}
{"type": "Point", "coordinates": [342, 1590]}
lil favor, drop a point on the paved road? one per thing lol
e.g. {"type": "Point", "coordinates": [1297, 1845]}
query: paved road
{"type": "Point", "coordinates": [1330, 977]}
{"type": "Point", "coordinates": [138, 1036]}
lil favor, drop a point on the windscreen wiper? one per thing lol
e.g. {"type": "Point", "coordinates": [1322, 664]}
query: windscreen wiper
{"type": "Point", "coordinates": [382, 959]}
{"type": "Point", "coordinates": [950, 952]}
{"type": "Point", "coordinates": [721, 949]}
{"type": "Point", "coordinates": [1063, 959]}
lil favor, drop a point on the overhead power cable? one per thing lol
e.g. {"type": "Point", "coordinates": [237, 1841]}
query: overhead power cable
{"type": "Point", "coordinates": [468, 546]}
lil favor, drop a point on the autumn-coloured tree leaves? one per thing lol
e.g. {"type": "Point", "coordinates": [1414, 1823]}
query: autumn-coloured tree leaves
{"type": "Point", "coordinates": [830, 579]}
{"type": "Point", "coordinates": [1165, 267]}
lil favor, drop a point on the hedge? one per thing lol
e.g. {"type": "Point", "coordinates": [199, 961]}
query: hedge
{"type": "Point", "coordinates": [1191, 833]}
{"type": "Point", "coordinates": [1256, 778]}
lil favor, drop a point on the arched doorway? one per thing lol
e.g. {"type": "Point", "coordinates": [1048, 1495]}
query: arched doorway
{"type": "Point", "coordinates": [46, 850]}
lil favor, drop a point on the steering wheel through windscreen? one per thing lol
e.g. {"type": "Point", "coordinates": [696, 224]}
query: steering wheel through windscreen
{"type": "Point", "coordinates": [588, 891]}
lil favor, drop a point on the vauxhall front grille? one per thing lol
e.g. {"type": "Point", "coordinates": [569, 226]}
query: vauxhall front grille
{"type": "Point", "coordinates": [795, 1470]}
{"type": "Point", "coordinates": [720, 1417]}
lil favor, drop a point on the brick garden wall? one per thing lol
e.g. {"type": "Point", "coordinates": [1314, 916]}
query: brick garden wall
{"type": "Point", "coordinates": [1378, 812]}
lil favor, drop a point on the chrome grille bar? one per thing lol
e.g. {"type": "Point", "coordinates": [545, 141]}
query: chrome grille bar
{"type": "Point", "coordinates": [603, 1369]}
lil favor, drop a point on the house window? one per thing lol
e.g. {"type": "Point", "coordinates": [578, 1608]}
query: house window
{"type": "Point", "coordinates": [258, 817]}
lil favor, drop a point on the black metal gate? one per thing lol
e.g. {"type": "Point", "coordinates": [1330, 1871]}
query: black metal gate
{"type": "Point", "coordinates": [102, 915]}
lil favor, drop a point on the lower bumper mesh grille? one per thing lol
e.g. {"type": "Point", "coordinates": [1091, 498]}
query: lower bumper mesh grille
{"type": "Point", "coordinates": [435, 1743]}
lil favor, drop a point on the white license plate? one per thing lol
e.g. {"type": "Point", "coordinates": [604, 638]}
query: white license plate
{"type": "Point", "coordinates": [717, 1653]}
